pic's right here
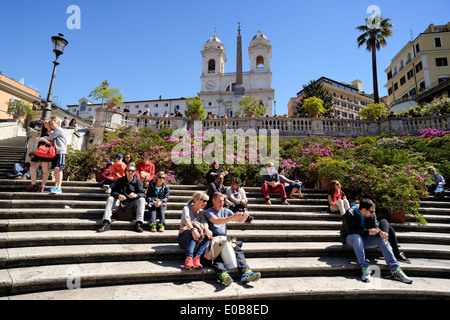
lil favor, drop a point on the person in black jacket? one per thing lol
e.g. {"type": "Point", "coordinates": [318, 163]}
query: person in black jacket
{"type": "Point", "coordinates": [360, 230]}
{"type": "Point", "coordinates": [157, 198]}
{"type": "Point", "coordinates": [130, 192]}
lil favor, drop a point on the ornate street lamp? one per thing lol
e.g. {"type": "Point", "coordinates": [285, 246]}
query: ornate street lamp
{"type": "Point", "coordinates": [59, 43]}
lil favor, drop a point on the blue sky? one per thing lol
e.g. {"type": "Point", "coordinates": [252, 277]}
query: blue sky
{"type": "Point", "coordinates": [152, 48]}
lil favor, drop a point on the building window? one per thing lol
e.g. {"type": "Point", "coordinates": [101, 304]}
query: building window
{"type": "Point", "coordinates": [412, 92]}
{"type": "Point", "coordinates": [441, 62]}
{"type": "Point", "coordinates": [390, 91]}
{"type": "Point", "coordinates": [211, 66]}
{"type": "Point", "coordinates": [83, 106]}
{"type": "Point", "coordinates": [260, 63]}
{"type": "Point", "coordinates": [437, 42]}
{"type": "Point", "coordinates": [156, 105]}
{"type": "Point", "coordinates": [417, 47]}
{"type": "Point", "coordinates": [389, 75]}
{"type": "Point", "coordinates": [395, 86]}
{"type": "Point", "coordinates": [402, 80]}
{"type": "Point", "coordinates": [410, 74]}
{"type": "Point", "coordinates": [422, 84]}
{"type": "Point", "coordinates": [419, 67]}
{"type": "Point", "coordinates": [231, 87]}
{"type": "Point", "coordinates": [443, 79]}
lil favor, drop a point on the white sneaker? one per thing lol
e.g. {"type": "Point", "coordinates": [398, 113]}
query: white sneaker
{"type": "Point", "coordinates": [398, 274]}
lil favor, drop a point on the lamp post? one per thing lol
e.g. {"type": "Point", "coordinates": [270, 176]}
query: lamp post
{"type": "Point", "coordinates": [59, 43]}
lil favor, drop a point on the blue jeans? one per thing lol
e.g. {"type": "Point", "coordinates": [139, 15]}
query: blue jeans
{"type": "Point", "coordinates": [291, 187]}
{"type": "Point", "coordinates": [18, 170]}
{"type": "Point", "coordinates": [161, 210]}
{"type": "Point", "coordinates": [186, 241]}
{"type": "Point", "coordinates": [359, 243]}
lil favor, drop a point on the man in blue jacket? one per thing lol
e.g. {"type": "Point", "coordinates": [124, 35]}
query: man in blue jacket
{"type": "Point", "coordinates": [130, 192]}
{"type": "Point", "coordinates": [360, 231]}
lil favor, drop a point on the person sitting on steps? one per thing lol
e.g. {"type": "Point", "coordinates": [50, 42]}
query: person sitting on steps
{"type": "Point", "coordinates": [217, 217]}
{"type": "Point", "coordinates": [270, 182]}
{"type": "Point", "coordinates": [157, 197]}
{"type": "Point", "coordinates": [360, 231]}
{"type": "Point", "coordinates": [130, 192]}
{"type": "Point", "coordinates": [192, 231]}
{"type": "Point", "coordinates": [336, 198]}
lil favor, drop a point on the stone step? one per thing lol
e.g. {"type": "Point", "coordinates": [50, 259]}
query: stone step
{"type": "Point", "coordinates": [70, 254]}
{"type": "Point", "coordinates": [56, 277]}
{"type": "Point", "coordinates": [57, 200]}
{"type": "Point", "coordinates": [199, 293]}
{"type": "Point", "coordinates": [124, 233]}
{"type": "Point", "coordinates": [24, 213]}
{"type": "Point", "coordinates": [173, 223]}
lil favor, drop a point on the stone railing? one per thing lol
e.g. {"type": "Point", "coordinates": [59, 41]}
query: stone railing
{"type": "Point", "coordinates": [287, 127]}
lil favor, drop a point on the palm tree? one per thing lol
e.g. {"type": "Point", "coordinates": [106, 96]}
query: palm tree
{"type": "Point", "coordinates": [316, 89]}
{"type": "Point", "coordinates": [374, 37]}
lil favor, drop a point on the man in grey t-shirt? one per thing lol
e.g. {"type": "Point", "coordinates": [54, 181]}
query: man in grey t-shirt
{"type": "Point", "coordinates": [217, 217]}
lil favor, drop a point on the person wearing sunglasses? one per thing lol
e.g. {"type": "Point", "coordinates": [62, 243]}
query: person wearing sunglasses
{"type": "Point", "coordinates": [192, 234]}
{"type": "Point", "coordinates": [130, 192]}
{"type": "Point", "coordinates": [360, 230]}
{"type": "Point", "coordinates": [157, 198]}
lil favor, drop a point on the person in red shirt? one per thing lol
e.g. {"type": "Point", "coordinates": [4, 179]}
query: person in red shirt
{"type": "Point", "coordinates": [145, 170]}
{"type": "Point", "coordinates": [118, 168]}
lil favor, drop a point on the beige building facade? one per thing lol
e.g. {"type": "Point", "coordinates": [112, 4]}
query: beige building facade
{"type": "Point", "coordinates": [422, 64]}
{"type": "Point", "coordinates": [348, 99]}
{"type": "Point", "coordinates": [11, 90]}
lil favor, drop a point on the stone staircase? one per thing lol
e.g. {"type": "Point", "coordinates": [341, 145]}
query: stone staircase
{"type": "Point", "coordinates": [12, 150]}
{"type": "Point", "coordinates": [49, 245]}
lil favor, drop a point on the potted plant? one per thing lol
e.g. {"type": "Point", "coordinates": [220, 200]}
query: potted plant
{"type": "Point", "coordinates": [331, 169]}
{"type": "Point", "coordinates": [373, 111]}
{"type": "Point", "coordinates": [313, 106]}
{"type": "Point", "coordinates": [20, 109]}
{"type": "Point", "coordinates": [194, 108]}
{"type": "Point", "coordinates": [398, 192]}
{"type": "Point", "coordinates": [252, 107]}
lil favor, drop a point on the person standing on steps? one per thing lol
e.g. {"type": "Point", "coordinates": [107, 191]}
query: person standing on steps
{"type": "Point", "coordinates": [39, 161]}
{"type": "Point", "coordinates": [130, 192]}
{"type": "Point", "coordinates": [360, 230]}
{"type": "Point", "coordinates": [58, 139]}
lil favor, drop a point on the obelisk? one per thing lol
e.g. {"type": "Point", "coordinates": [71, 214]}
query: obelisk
{"type": "Point", "coordinates": [239, 90]}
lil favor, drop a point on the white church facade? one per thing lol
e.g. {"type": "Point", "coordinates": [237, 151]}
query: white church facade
{"type": "Point", "coordinates": [217, 87]}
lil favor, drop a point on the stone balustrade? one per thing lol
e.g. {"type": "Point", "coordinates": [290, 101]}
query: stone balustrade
{"type": "Point", "coordinates": [287, 126]}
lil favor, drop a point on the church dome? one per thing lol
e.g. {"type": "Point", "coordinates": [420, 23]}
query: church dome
{"type": "Point", "coordinates": [260, 35]}
{"type": "Point", "coordinates": [214, 38]}
{"type": "Point", "coordinates": [259, 40]}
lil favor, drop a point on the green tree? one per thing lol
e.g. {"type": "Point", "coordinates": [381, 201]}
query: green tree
{"type": "Point", "coordinates": [374, 34]}
{"type": "Point", "coordinates": [316, 89]}
{"type": "Point", "coordinates": [104, 92]}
